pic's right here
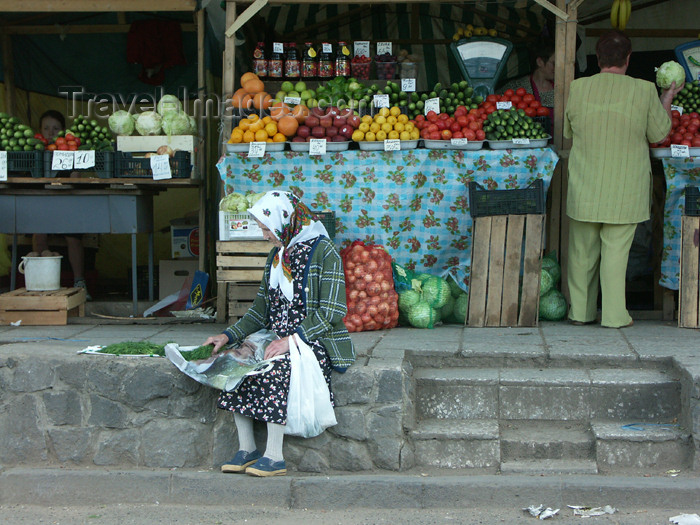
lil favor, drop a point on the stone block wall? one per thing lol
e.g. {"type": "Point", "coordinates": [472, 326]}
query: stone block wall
{"type": "Point", "coordinates": [143, 412]}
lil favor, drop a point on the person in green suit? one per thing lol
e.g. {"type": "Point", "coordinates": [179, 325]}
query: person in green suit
{"type": "Point", "coordinates": [611, 118]}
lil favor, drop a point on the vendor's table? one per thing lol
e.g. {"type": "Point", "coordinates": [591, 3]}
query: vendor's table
{"type": "Point", "coordinates": [414, 202]}
{"type": "Point", "coordinates": [679, 173]}
{"type": "Point", "coordinates": [94, 210]}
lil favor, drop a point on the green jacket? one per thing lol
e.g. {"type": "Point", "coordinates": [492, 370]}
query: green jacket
{"type": "Point", "coordinates": [324, 298]}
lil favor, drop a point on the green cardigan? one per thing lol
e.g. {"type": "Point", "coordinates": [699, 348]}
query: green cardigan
{"type": "Point", "coordinates": [324, 298]}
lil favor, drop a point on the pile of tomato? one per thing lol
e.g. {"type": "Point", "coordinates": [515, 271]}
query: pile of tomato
{"type": "Point", "coordinates": [684, 130]}
{"type": "Point", "coordinates": [67, 143]}
{"type": "Point", "coordinates": [520, 99]}
{"type": "Point", "coordinates": [465, 123]}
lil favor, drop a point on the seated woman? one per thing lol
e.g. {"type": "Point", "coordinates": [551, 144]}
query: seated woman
{"type": "Point", "coordinates": [302, 292]}
{"type": "Point", "coordinates": [540, 82]}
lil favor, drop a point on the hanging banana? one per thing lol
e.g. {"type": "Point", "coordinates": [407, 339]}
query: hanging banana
{"type": "Point", "coordinates": [624, 14]}
{"type": "Point", "coordinates": [615, 13]}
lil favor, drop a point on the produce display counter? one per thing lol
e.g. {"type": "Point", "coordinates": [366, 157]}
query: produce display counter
{"type": "Point", "coordinates": [679, 173]}
{"type": "Point", "coordinates": [72, 205]}
{"type": "Point", "coordinates": [414, 202]}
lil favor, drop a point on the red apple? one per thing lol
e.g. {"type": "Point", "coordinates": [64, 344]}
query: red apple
{"type": "Point", "coordinates": [346, 131]}
{"type": "Point", "coordinates": [312, 121]}
{"type": "Point", "coordinates": [339, 138]}
{"type": "Point", "coordinates": [298, 139]}
{"type": "Point", "coordinates": [331, 131]}
{"type": "Point", "coordinates": [318, 111]}
{"type": "Point", "coordinates": [354, 121]}
{"type": "Point", "coordinates": [346, 112]}
{"type": "Point", "coordinates": [318, 132]}
{"type": "Point", "coordinates": [326, 121]}
{"type": "Point", "coordinates": [332, 111]}
{"type": "Point", "coordinates": [303, 131]}
{"type": "Point", "coordinates": [339, 122]}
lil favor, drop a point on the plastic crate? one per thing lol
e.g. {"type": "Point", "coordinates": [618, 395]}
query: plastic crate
{"type": "Point", "coordinates": [103, 168]}
{"type": "Point", "coordinates": [483, 202]}
{"type": "Point", "coordinates": [238, 226]}
{"type": "Point", "coordinates": [25, 162]}
{"type": "Point", "coordinates": [327, 218]}
{"type": "Point", "coordinates": [129, 166]}
{"type": "Point", "coordinates": [692, 201]}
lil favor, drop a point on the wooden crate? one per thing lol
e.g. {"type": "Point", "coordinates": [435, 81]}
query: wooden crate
{"type": "Point", "coordinates": [41, 308]}
{"type": "Point", "coordinates": [239, 270]}
{"type": "Point", "coordinates": [504, 247]}
{"type": "Point", "coordinates": [688, 296]}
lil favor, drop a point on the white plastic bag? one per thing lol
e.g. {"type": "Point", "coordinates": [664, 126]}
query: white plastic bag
{"type": "Point", "coordinates": [309, 408]}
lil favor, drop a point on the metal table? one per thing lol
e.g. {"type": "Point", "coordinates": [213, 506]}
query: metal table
{"type": "Point", "coordinates": [94, 210]}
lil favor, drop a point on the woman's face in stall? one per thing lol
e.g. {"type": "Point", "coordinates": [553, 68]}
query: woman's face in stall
{"type": "Point", "coordinates": [50, 128]}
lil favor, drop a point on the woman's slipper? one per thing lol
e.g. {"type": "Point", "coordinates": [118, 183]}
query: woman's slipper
{"type": "Point", "coordinates": [265, 467]}
{"type": "Point", "coordinates": [241, 461]}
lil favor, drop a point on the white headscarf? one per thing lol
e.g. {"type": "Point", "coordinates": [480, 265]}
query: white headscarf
{"type": "Point", "coordinates": [291, 222]}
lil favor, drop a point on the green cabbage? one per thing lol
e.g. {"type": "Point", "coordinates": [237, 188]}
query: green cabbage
{"type": "Point", "coordinates": [546, 282]}
{"type": "Point", "coordinates": [455, 290]}
{"type": "Point", "coordinates": [459, 314]}
{"type": "Point", "coordinates": [436, 291]}
{"type": "Point", "coordinates": [121, 122]}
{"type": "Point", "coordinates": [234, 202]}
{"type": "Point", "coordinates": [553, 306]}
{"type": "Point", "coordinates": [421, 315]}
{"type": "Point", "coordinates": [168, 103]}
{"type": "Point", "coordinates": [668, 73]}
{"type": "Point", "coordinates": [176, 123]}
{"type": "Point", "coordinates": [408, 299]}
{"type": "Point", "coordinates": [148, 123]}
{"type": "Point", "coordinates": [193, 125]}
{"type": "Point", "coordinates": [550, 264]}
{"type": "Point", "coordinates": [252, 198]}
{"type": "Point", "coordinates": [446, 310]}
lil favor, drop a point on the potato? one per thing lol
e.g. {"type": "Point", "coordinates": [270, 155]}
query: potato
{"type": "Point", "coordinates": [46, 253]}
{"type": "Point", "coordinates": [165, 150]}
{"type": "Point", "coordinates": [33, 254]}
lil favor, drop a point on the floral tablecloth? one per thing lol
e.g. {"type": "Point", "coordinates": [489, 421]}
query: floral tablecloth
{"type": "Point", "coordinates": [678, 172]}
{"type": "Point", "coordinates": [414, 202]}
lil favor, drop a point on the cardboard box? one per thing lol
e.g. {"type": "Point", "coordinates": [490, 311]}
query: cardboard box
{"type": "Point", "coordinates": [172, 274]}
{"type": "Point", "coordinates": [184, 235]}
{"type": "Point", "coordinates": [238, 226]}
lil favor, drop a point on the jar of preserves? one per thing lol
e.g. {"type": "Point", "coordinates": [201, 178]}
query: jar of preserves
{"type": "Point", "coordinates": [309, 62]}
{"type": "Point", "coordinates": [342, 60]}
{"type": "Point", "coordinates": [259, 61]}
{"type": "Point", "coordinates": [326, 61]}
{"type": "Point", "coordinates": [275, 66]}
{"type": "Point", "coordinates": [292, 65]}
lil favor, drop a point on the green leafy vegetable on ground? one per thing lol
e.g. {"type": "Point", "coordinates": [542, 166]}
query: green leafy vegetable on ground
{"type": "Point", "coordinates": [134, 348]}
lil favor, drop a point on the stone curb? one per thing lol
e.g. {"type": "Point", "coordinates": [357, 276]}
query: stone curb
{"type": "Point", "coordinates": [53, 487]}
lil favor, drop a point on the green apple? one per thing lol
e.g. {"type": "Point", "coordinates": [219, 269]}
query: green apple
{"type": "Point", "coordinates": [300, 86]}
{"type": "Point", "coordinates": [293, 94]}
{"type": "Point", "coordinates": [306, 94]}
{"type": "Point", "coordinates": [287, 86]}
{"type": "Point", "coordinates": [280, 95]}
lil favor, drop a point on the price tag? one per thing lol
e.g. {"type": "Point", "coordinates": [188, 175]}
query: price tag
{"type": "Point", "coordinates": [277, 47]}
{"type": "Point", "coordinates": [521, 140]}
{"type": "Point", "coordinates": [3, 165]}
{"type": "Point", "coordinates": [361, 48]}
{"type": "Point", "coordinates": [160, 165]}
{"type": "Point", "coordinates": [317, 147]}
{"type": "Point", "coordinates": [293, 101]}
{"type": "Point", "coordinates": [392, 145]}
{"type": "Point", "coordinates": [677, 108]}
{"type": "Point", "coordinates": [459, 142]}
{"type": "Point", "coordinates": [62, 160]}
{"type": "Point", "coordinates": [680, 150]}
{"type": "Point", "coordinates": [383, 48]}
{"type": "Point", "coordinates": [256, 149]}
{"type": "Point", "coordinates": [326, 47]}
{"type": "Point", "coordinates": [84, 159]}
{"type": "Point", "coordinates": [381, 101]}
{"type": "Point", "coordinates": [504, 105]}
{"type": "Point", "coordinates": [432, 104]}
{"type": "Point", "coordinates": [408, 84]}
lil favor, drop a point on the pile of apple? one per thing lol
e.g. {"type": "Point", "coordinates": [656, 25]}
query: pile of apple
{"type": "Point", "coordinates": [330, 123]}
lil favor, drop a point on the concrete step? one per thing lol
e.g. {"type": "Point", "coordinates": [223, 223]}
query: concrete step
{"type": "Point", "coordinates": [449, 443]}
{"type": "Point", "coordinates": [546, 467]}
{"type": "Point", "coordinates": [546, 394]}
{"type": "Point", "coordinates": [546, 440]}
{"type": "Point", "coordinates": [639, 445]}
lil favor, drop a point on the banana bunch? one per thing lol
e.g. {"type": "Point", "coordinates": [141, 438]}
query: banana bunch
{"type": "Point", "coordinates": [620, 13]}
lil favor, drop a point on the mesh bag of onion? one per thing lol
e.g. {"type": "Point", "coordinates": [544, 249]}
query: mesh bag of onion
{"type": "Point", "coordinates": [369, 287]}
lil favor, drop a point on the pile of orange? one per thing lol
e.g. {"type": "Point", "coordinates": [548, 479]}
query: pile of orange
{"type": "Point", "coordinates": [251, 94]}
{"type": "Point", "coordinates": [256, 129]}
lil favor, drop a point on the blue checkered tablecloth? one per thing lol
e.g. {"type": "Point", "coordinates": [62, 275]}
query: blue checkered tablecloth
{"type": "Point", "coordinates": [414, 202]}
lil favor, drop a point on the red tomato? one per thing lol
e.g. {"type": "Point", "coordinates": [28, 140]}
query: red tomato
{"type": "Point", "coordinates": [51, 147]}
{"type": "Point", "coordinates": [420, 118]}
{"type": "Point", "coordinates": [435, 135]}
{"type": "Point", "coordinates": [542, 111]}
{"type": "Point", "coordinates": [455, 127]}
{"type": "Point", "coordinates": [675, 122]}
{"type": "Point", "coordinates": [461, 110]}
{"type": "Point", "coordinates": [522, 105]}
{"type": "Point", "coordinates": [480, 134]}
{"type": "Point", "coordinates": [431, 116]}
{"type": "Point", "coordinates": [694, 114]}
{"type": "Point", "coordinates": [535, 104]}
{"type": "Point", "coordinates": [424, 133]}
{"type": "Point", "coordinates": [60, 141]}
{"type": "Point", "coordinates": [528, 97]}
{"type": "Point", "coordinates": [515, 99]}
{"type": "Point", "coordinates": [686, 143]}
{"type": "Point", "coordinates": [521, 91]}
{"type": "Point", "coordinates": [446, 134]}
{"type": "Point", "coordinates": [494, 98]}
{"type": "Point", "coordinates": [688, 136]}
{"type": "Point", "coordinates": [474, 125]}
{"type": "Point", "coordinates": [470, 134]}
{"type": "Point", "coordinates": [433, 128]}
{"type": "Point", "coordinates": [457, 135]}
{"type": "Point", "coordinates": [696, 142]}
{"type": "Point", "coordinates": [443, 116]}
{"type": "Point", "coordinates": [693, 128]}
{"type": "Point", "coordinates": [676, 138]}
{"type": "Point", "coordinates": [509, 92]}
{"type": "Point", "coordinates": [462, 120]}
{"type": "Point", "coordinates": [530, 112]}
{"type": "Point", "coordinates": [675, 113]}
{"type": "Point", "coordinates": [681, 130]}
{"type": "Point", "coordinates": [441, 124]}
{"type": "Point", "coordinates": [490, 110]}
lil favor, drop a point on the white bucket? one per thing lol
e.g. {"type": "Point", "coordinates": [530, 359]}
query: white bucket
{"type": "Point", "coordinates": [41, 273]}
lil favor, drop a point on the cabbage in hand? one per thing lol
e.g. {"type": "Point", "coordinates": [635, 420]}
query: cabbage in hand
{"type": "Point", "coordinates": [668, 73]}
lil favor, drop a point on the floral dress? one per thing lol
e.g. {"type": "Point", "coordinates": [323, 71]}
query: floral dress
{"type": "Point", "coordinates": [264, 396]}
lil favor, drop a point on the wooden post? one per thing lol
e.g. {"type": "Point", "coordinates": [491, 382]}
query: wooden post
{"type": "Point", "coordinates": [200, 115]}
{"type": "Point", "coordinates": [9, 74]}
{"type": "Point", "coordinates": [227, 78]}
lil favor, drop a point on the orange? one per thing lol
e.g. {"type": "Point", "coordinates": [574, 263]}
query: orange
{"type": "Point", "coordinates": [288, 125]}
{"type": "Point", "coordinates": [300, 112]}
{"type": "Point", "coordinates": [262, 100]}
{"type": "Point", "coordinates": [254, 85]}
{"type": "Point", "coordinates": [236, 136]}
{"type": "Point", "coordinates": [267, 119]}
{"type": "Point", "coordinates": [279, 110]}
{"type": "Point", "coordinates": [253, 117]}
{"type": "Point", "coordinates": [279, 137]}
{"type": "Point", "coordinates": [245, 77]}
{"type": "Point", "coordinates": [248, 136]}
{"type": "Point", "coordinates": [244, 124]}
{"type": "Point", "coordinates": [256, 126]}
{"type": "Point", "coordinates": [271, 129]}
{"type": "Point", "coordinates": [261, 135]}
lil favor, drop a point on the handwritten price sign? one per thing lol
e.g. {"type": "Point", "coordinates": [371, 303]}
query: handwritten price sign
{"type": "Point", "coordinates": [62, 160]}
{"type": "Point", "coordinates": [256, 149]}
{"type": "Point", "coordinates": [317, 147]}
{"type": "Point", "coordinates": [3, 165]}
{"type": "Point", "coordinates": [160, 165]}
{"type": "Point", "coordinates": [84, 159]}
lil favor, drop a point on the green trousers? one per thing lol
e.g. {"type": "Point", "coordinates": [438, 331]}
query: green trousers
{"type": "Point", "coordinates": [598, 252]}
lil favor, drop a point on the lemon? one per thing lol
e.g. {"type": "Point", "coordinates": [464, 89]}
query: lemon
{"type": "Point", "coordinates": [363, 127]}
{"type": "Point", "coordinates": [391, 120]}
{"type": "Point", "coordinates": [402, 118]}
{"type": "Point", "coordinates": [493, 32]}
{"type": "Point", "coordinates": [380, 119]}
{"type": "Point", "coordinates": [395, 111]}
{"type": "Point", "coordinates": [358, 135]}
{"type": "Point", "coordinates": [366, 118]}
{"type": "Point", "coordinates": [385, 112]}
{"type": "Point", "coordinates": [374, 127]}
{"type": "Point", "coordinates": [405, 135]}
{"type": "Point", "coordinates": [399, 127]}
{"type": "Point", "coordinates": [393, 135]}
{"type": "Point", "coordinates": [415, 134]}
{"type": "Point", "coordinates": [370, 136]}
{"type": "Point", "coordinates": [408, 126]}
{"type": "Point", "coordinates": [381, 135]}
{"type": "Point", "coordinates": [386, 127]}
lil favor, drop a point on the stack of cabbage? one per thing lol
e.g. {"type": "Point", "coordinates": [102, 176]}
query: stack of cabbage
{"type": "Point", "coordinates": [553, 305]}
{"type": "Point", "coordinates": [429, 300]}
{"type": "Point", "coordinates": [169, 119]}
{"type": "Point", "coordinates": [239, 203]}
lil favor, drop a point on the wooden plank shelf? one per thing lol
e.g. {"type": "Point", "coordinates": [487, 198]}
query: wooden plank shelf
{"type": "Point", "coordinates": [42, 308]}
